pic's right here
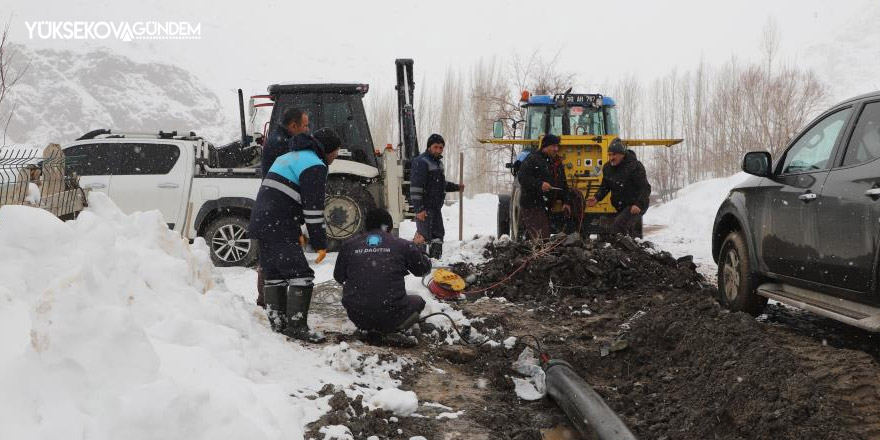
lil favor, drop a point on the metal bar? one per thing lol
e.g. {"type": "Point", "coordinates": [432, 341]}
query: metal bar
{"type": "Point", "coordinates": [460, 196]}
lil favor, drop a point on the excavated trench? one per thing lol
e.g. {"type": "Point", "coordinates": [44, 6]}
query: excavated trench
{"type": "Point", "coordinates": [643, 328]}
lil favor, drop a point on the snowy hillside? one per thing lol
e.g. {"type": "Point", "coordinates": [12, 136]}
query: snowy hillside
{"type": "Point", "coordinates": [684, 225]}
{"type": "Point", "coordinates": [847, 57]}
{"type": "Point", "coordinates": [64, 94]}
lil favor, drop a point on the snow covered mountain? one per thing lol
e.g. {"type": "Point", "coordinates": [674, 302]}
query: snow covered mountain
{"type": "Point", "coordinates": [847, 56]}
{"type": "Point", "coordinates": [64, 94]}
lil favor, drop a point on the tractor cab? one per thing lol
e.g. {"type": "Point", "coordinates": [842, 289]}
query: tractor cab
{"type": "Point", "coordinates": [336, 106]}
{"type": "Point", "coordinates": [586, 125]}
{"type": "Point", "coordinates": [580, 114]}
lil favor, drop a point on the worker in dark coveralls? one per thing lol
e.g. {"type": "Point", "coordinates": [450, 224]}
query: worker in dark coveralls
{"type": "Point", "coordinates": [565, 205]}
{"type": "Point", "coordinates": [371, 268]}
{"type": "Point", "coordinates": [294, 121]}
{"type": "Point", "coordinates": [428, 188]}
{"type": "Point", "coordinates": [292, 193]}
{"type": "Point", "coordinates": [535, 177]}
{"type": "Point", "coordinates": [625, 178]}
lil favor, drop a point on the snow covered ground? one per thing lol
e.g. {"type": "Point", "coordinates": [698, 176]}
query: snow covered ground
{"type": "Point", "coordinates": [685, 223]}
{"type": "Point", "coordinates": [113, 327]}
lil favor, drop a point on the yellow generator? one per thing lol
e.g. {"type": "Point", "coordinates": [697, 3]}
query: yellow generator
{"type": "Point", "coordinates": [586, 125]}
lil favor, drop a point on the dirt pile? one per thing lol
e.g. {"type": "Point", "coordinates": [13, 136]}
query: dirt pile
{"type": "Point", "coordinates": [645, 330]}
{"type": "Point", "coordinates": [569, 265]}
{"type": "Point", "coordinates": [363, 421]}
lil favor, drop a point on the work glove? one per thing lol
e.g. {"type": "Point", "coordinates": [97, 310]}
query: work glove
{"type": "Point", "coordinates": [322, 253]}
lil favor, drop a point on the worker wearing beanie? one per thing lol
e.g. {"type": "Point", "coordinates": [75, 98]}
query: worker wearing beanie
{"type": "Point", "coordinates": [371, 268]}
{"type": "Point", "coordinates": [625, 178]}
{"type": "Point", "coordinates": [427, 190]}
{"type": "Point", "coordinates": [534, 178]}
{"type": "Point", "coordinates": [291, 194]}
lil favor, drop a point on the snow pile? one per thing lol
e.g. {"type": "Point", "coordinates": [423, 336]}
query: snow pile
{"type": "Point", "coordinates": [480, 218]}
{"type": "Point", "coordinates": [336, 432]}
{"type": "Point", "coordinates": [686, 221]}
{"type": "Point", "coordinates": [533, 386]}
{"type": "Point", "coordinates": [401, 403]}
{"type": "Point", "coordinates": [113, 328]}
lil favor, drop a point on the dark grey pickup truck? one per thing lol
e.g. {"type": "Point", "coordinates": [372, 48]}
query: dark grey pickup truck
{"type": "Point", "coordinates": [805, 228]}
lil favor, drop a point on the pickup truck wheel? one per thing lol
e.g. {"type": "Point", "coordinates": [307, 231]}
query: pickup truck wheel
{"type": "Point", "coordinates": [345, 210]}
{"type": "Point", "coordinates": [736, 282]}
{"type": "Point", "coordinates": [227, 236]}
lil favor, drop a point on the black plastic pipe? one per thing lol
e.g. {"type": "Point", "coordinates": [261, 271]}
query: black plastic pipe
{"type": "Point", "coordinates": [586, 410]}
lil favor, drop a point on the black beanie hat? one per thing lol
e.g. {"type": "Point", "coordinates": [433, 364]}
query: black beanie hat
{"type": "Point", "coordinates": [328, 139]}
{"type": "Point", "coordinates": [549, 139]}
{"type": "Point", "coordinates": [378, 219]}
{"type": "Point", "coordinates": [617, 147]}
{"type": "Point", "coordinates": [435, 139]}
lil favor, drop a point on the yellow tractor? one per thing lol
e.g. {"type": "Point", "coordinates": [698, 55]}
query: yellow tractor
{"type": "Point", "coordinates": [586, 125]}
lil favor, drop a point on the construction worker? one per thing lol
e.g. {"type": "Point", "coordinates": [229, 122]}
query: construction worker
{"type": "Point", "coordinates": [625, 178]}
{"type": "Point", "coordinates": [535, 179]}
{"type": "Point", "coordinates": [561, 201]}
{"type": "Point", "coordinates": [428, 188]}
{"type": "Point", "coordinates": [294, 121]}
{"type": "Point", "coordinates": [371, 267]}
{"type": "Point", "coordinates": [293, 193]}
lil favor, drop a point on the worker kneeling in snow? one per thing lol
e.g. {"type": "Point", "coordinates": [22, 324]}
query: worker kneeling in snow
{"type": "Point", "coordinates": [371, 267]}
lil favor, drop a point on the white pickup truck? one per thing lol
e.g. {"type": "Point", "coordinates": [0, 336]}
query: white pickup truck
{"type": "Point", "coordinates": [180, 176]}
{"type": "Point", "coordinates": [205, 191]}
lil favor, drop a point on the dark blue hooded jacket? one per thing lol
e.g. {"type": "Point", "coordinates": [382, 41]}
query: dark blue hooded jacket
{"type": "Point", "coordinates": [277, 143]}
{"type": "Point", "coordinates": [428, 185]}
{"type": "Point", "coordinates": [292, 193]}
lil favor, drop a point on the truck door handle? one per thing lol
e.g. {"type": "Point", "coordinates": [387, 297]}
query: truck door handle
{"type": "Point", "coordinates": [807, 197]}
{"type": "Point", "coordinates": [95, 185]}
{"type": "Point", "coordinates": [168, 185]}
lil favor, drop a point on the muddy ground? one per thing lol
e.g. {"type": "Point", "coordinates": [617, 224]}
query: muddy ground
{"type": "Point", "coordinates": [644, 329]}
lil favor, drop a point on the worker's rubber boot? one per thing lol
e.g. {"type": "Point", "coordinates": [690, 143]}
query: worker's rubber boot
{"type": "Point", "coordinates": [399, 340]}
{"type": "Point", "coordinates": [275, 298]}
{"type": "Point", "coordinates": [436, 249]}
{"type": "Point", "coordinates": [299, 299]}
{"type": "Point", "coordinates": [410, 321]}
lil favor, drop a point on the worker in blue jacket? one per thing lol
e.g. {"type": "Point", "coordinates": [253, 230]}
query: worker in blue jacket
{"type": "Point", "coordinates": [427, 190]}
{"type": "Point", "coordinates": [292, 193]}
{"type": "Point", "coordinates": [294, 121]}
{"type": "Point", "coordinates": [372, 267]}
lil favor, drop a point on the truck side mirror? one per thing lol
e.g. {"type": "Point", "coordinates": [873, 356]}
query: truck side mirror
{"type": "Point", "coordinates": [498, 130]}
{"type": "Point", "coordinates": [757, 163]}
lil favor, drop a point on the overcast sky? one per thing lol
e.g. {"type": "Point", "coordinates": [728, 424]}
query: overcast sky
{"type": "Point", "coordinates": [251, 43]}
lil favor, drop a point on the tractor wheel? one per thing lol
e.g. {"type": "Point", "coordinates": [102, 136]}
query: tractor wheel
{"type": "Point", "coordinates": [345, 210]}
{"type": "Point", "coordinates": [503, 214]}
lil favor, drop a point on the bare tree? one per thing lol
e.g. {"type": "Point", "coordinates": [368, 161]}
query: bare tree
{"type": "Point", "coordinates": [10, 74]}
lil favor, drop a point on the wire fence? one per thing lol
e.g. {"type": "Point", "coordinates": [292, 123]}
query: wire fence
{"type": "Point", "coordinates": [37, 177]}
